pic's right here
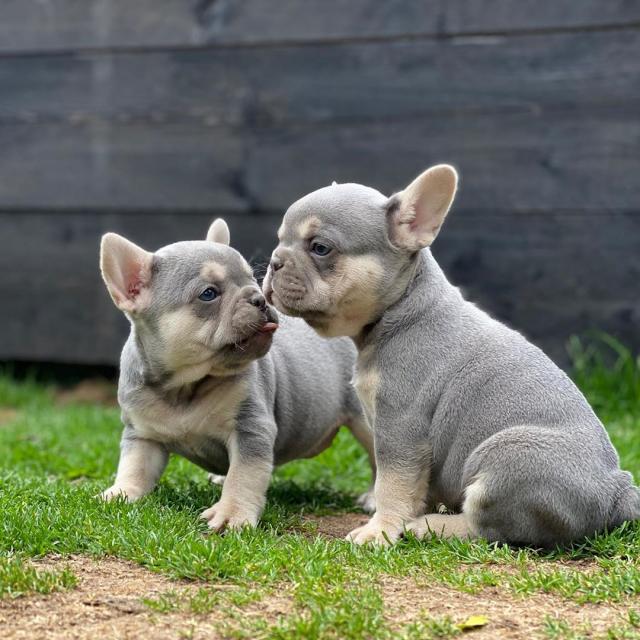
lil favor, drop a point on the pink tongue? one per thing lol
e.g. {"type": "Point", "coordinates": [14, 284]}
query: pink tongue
{"type": "Point", "coordinates": [269, 327]}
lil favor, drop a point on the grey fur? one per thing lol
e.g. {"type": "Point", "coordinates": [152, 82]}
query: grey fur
{"type": "Point", "coordinates": [202, 379]}
{"type": "Point", "coordinates": [464, 408]}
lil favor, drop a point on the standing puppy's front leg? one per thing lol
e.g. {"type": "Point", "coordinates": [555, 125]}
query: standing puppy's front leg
{"type": "Point", "coordinates": [402, 481]}
{"type": "Point", "coordinates": [244, 492]}
{"type": "Point", "coordinates": [141, 465]}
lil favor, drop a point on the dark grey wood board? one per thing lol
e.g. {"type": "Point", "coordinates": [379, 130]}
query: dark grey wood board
{"type": "Point", "coordinates": [550, 276]}
{"type": "Point", "coordinates": [55, 25]}
{"type": "Point", "coordinates": [318, 84]}
{"type": "Point", "coordinates": [508, 162]}
{"type": "Point", "coordinates": [534, 123]}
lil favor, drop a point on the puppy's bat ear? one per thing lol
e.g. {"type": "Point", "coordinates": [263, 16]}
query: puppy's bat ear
{"type": "Point", "coordinates": [417, 213]}
{"type": "Point", "coordinates": [126, 270]}
{"type": "Point", "coordinates": [219, 232]}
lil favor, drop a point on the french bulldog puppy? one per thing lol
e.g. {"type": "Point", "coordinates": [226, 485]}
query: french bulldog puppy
{"type": "Point", "coordinates": [206, 375]}
{"type": "Point", "coordinates": [465, 411]}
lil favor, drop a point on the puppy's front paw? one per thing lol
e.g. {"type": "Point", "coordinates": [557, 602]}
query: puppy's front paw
{"type": "Point", "coordinates": [127, 494]}
{"type": "Point", "coordinates": [377, 532]}
{"type": "Point", "coordinates": [223, 516]}
{"type": "Point", "coordinates": [367, 501]}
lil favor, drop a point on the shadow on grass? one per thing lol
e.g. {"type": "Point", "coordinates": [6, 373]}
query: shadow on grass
{"type": "Point", "coordinates": [284, 496]}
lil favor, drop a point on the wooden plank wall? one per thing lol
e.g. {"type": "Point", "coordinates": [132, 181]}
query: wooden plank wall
{"type": "Point", "coordinates": [151, 117]}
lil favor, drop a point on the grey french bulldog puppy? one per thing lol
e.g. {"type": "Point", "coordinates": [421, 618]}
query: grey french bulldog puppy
{"type": "Point", "coordinates": [206, 375]}
{"type": "Point", "coordinates": [466, 412]}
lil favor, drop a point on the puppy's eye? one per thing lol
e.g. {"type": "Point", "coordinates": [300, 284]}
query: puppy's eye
{"type": "Point", "coordinates": [320, 249]}
{"type": "Point", "coordinates": [208, 295]}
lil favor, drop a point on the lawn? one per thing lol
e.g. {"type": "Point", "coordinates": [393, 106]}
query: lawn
{"type": "Point", "coordinates": [89, 569]}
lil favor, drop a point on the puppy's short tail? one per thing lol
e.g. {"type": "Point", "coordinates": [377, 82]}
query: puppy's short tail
{"type": "Point", "coordinates": [627, 504]}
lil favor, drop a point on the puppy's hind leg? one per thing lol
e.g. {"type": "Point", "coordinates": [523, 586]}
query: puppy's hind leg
{"type": "Point", "coordinates": [363, 434]}
{"type": "Point", "coordinates": [540, 486]}
{"type": "Point", "coordinates": [627, 504]}
{"type": "Point", "coordinates": [445, 526]}
{"type": "Point", "coordinates": [214, 478]}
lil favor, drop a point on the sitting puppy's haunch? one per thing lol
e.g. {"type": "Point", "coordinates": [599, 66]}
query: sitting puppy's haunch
{"type": "Point", "coordinates": [465, 411]}
{"type": "Point", "coordinates": [199, 375]}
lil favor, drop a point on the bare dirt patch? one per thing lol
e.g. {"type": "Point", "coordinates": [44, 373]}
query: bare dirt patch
{"type": "Point", "coordinates": [337, 526]}
{"type": "Point", "coordinates": [90, 391]}
{"type": "Point", "coordinates": [510, 616]}
{"type": "Point", "coordinates": [107, 604]}
{"type": "Point", "coordinates": [7, 415]}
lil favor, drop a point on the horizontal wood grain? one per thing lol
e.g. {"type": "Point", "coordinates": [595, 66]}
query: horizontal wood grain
{"type": "Point", "coordinates": [346, 83]}
{"type": "Point", "coordinates": [509, 162]}
{"type": "Point", "coordinates": [546, 123]}
{"type": "Point", "coordinates": [62, 25]}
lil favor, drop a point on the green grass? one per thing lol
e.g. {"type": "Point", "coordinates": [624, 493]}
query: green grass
{"type": "Point", "coordinates": [203, 600]}
{"type": "Point", "coordinates": [54, 460]}
{"type": "Point", "coordinates": [18, 578]}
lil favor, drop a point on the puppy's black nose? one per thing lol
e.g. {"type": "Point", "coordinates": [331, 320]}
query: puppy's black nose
{"type": "Point", "coordinates": [257, 300]}
{"type": "Point", "coordinates": [276, 263]}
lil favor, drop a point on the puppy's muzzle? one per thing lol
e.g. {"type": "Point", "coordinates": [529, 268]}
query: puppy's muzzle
{"type": "Point", "coordinates": [282, 277]}
{"type": "Point", "coordinates": [253, 316]}
{"type": "Point", "coordinates": [257, 300]}
{"type": "Point", "coordinates": [276, 263]}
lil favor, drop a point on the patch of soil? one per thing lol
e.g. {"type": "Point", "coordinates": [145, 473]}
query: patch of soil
{"type": "Point", "coordinates": [90, 391]}
{"type": "Point", "coordinates": [7, 415]}
{"type": "Point", "coordinates": [510, 616]}
{"type": "Point", "coordinates": [337, 526]}
{"type": "Point", "coordinates": [107, 604]}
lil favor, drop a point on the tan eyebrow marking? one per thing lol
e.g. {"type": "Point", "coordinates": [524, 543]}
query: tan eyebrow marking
{"type": "Point", "coordinates": [308, 227]}
{"type": "Point", "coordinates": [213, 271]}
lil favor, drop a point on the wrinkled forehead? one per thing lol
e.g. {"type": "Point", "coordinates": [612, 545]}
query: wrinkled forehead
{"type": "Point", "coordinates": [182, 262]}
{"type": "Point", "coordinates": [341, 208]}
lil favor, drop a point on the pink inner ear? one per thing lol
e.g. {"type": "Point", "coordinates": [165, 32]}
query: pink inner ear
{"type": "Point", "coordinates": [126, 269]}
{"type": "Point", "coordinates": [136, 281]}
{"type": "Point", "coordinates": [134, 288]}
{"type": "Point", "coordinates": [415, 219]}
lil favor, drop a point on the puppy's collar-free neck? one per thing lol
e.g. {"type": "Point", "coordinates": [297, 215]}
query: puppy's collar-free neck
{"type": "Point", "coordinates": [425, 282]}
{"type": "Point", "coordinates": [402, 284]}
